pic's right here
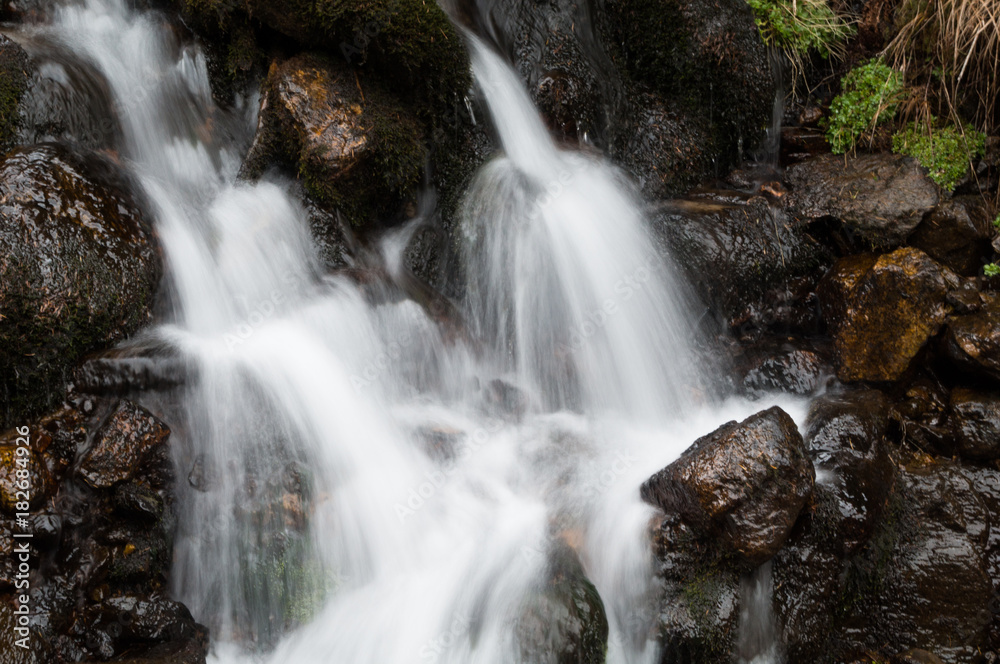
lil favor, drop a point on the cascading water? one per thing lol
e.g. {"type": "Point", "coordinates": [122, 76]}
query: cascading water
{"type": "Point", "coordinates": [356, 481]}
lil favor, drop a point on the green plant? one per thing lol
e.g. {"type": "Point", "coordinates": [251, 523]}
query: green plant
{"type": "Point", "coordinates": [996, 222]}
{"type": "Point", "coordinates": [870, 94]}
{"type": "Point", "coordinates": [944, 152]}
{"type": "Point", "coordinates": [800, 25]}
{"type": "Point", "coordinates": [991, 270]}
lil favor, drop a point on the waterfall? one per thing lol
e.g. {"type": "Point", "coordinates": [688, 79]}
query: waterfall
{"type": "Point", "coordinates": [346, 508]}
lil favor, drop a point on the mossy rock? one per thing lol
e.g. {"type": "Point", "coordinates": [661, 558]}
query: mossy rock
{"type": "Point", "coordinates": [409, 44]}
{"type": "Point", "coordinates": [14, 68]}
{"type": "Point", "coordinates": [354, 147]}
{"type": "Point", "coordinates": [78, 270]}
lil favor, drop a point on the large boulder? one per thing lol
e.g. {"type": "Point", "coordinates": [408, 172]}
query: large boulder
{"type": "Point", "coordinates": [881, 198]}
{"type": "Point", "coordinates": [735, 253]}
{"type": "Point", "coordinates": [744, 484]}
{"type": "Point", "coordinates": [356, 150]}
{"type": "Point", "coordinates": [78, 269]}
{"type": "Point", "coordinates": [890, 307]}
{"type": "Point", "coordinates": [705, 54]}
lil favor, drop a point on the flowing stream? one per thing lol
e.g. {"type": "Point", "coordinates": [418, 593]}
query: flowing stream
{"type": "Point", "coordinates": [369, 490]}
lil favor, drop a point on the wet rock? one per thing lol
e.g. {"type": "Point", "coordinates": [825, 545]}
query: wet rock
{"type": "Point", "coordinates": [957, 234]}
{"type": "Point", "coordinates": [124, 370]}
{"type": "Point", "coordinates": [887, 314]}
{"type": "Point", "coordinates": [14, 74]}
{"type": "Point", "coordinates": [356, 149]}
{"type": "Point", "coordinates": [78, 269]}
{"type": "Point", "coordinates": [565, 622]}
{"type": "Point", "coordinates": [920, 581]}
{"type": "Point", "coordinates": [785, 369]}
{"type": "Point", "coordinates": [744, 484]}
{"type": "Point", "coordinates": [973, 341]}
{"type": "Point", "coordinates": [126, 440]}
{"type": "Point", "coordinates": [665, 149]}
{"type": "Point", "coordinates": [975, 417]}
{"type": "Point", "coordinates": [698, 613]}
{"type": "Point", "coordinates": [915, 656]}
{"type": "Point", "coordinates": [134, 500]}
{"type": "Point", "coordinates": [845, 435]}
{"type": "Point", "coordinates": [734, 254]}
{"type": "Point", "coordinates": [410, 44]}
{"type": "Point", "coordinates": [146, 628]}
{"type": "Point", "coordinates": [702, 53]}
{"type": "Point", "coordinates": [879, 197]}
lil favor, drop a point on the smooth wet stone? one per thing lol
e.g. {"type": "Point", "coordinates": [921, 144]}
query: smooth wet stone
{"type": "Point", "coordinates": [973, 341]}
{"type": "Point", "coordinates": [127, 438]}
{"type": "Point", "coordinates": [880, 197]}
{"type": "Point", "coordinates": [845, 435]}
{"type": "Point", "coordinates": [975, 420]}
{"type": "Point", "coordinates": [78, 269]}
{"type": "Point", "coordinates": [744, 484]}
{"type": "Point", "coordinates": [957, 234]}
{"type": "Point", "coordinates": [887, 313]}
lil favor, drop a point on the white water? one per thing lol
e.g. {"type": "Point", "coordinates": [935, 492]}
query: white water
{"type": "Point", "coordinates": [390, 554]}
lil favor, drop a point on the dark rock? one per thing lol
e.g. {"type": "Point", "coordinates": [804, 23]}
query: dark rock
{"type": "Point", "coordinates": [973, 341]}
{"type": "Point", "coordinates": [410, 44]}
{"type": "Point", "coordinates": [125, 441]}
{"type": "Point", "coordinates": [744, 484]}
{"type": "Point", "coordinates": [975, 417]}
{"type": "Point", "coordinates": [14, 74]}
{"type": "Point", "coordinates": [31, 491]}
{"type": "Point", "coordinates": [786, 369]}
{"type": "Point", "coordinates": [78, 268]}
{"type": "Point", "coordinates": [880, 197]}
{"type": "Point", "coordinates": [134, 500]}
{"type": "Point", "coordinates": [701, 53]}
{"type": "Point", "coordinates": [838, 283]}
{"type": "Point", "coordinates": [888, 312]}
{"type": "Point", "coordinates": [564, 623]}
{"type": "Point", "coordinates": [920, 581]}
{"type": "Point", "coordinates": [698, 615]}
{"type": "Point", "coordinates": [845, 435]}
{"type": "Point", "coordinates": [732, 254]}
{"type": "Point", "coordinates": [129, 369]}
{"type": "Point", "coordinates": [665, 149]}
{"type": "Point", "coordinates": [957, 234]}
{"type": "Point", "coordinates": [915, 656]}
{"type": "Point", "coordinates": [356, 149]}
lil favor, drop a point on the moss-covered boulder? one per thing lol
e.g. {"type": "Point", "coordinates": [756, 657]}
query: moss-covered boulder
{"type": "Point", "coordinates": [353, 146]}
{"type": "Point", "coordinates": [564, 621]}
{"type": "Point", "coordinates": [409, 44]}
{"type": "Point", "coordinates": [14, 68]}
{"type": "Point", "coordinates": [78, 269]}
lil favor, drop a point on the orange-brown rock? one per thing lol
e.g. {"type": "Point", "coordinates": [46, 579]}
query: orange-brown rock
{"type": "Point", "coordinates": [883, 315]}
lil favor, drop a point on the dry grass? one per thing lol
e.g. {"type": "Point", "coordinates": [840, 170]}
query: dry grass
{"type": "Point", "coordinates": [954, 47]}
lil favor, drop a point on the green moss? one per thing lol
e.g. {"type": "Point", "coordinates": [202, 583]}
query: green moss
{"type": "Point", "coordinates": [13, 83]}
{"type": "Point", "coordinates": [800, 26]}
{"type": "Point", "coordinates": [945, 152]}
{"type": "Point", "coordinates": [870, 95]}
